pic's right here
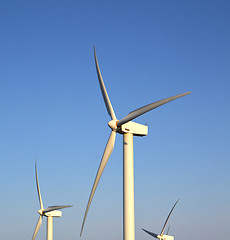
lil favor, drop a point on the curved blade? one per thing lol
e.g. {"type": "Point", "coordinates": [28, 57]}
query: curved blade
{"type": "Point", "coordinates": [150, 233]}
{"type": "Point", "coordinates": [38, 189]}
{"type": "Point", "coordinates": [168, 230]}
{"type": "Point", "coordinates": [162, 232]}
{"type": "Point", "coordinates": [52, 208]}
{"type": "Point", "coordinates": [104, 160]}
{"type": "Point", "coordinates": [103, 90]}
{"type": "Point", "coordinates": [136, 113]}
{"type": "Point", "coordinates": [37, 227]}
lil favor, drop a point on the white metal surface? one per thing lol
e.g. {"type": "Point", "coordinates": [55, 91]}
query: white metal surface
{"type": "Point", "coordinates": [49, 212]}
{"type": "Point", "coordinates": [128, 188]}
{"type": "Point", "coordinates": [54, 213]}
{"type": "Point", "coordinates": [49, 232]}
{"type": "Point", "coordinates": [128, 129]}
{"type": "Point", "coordinates": [167, 237]}
{"type": "Point", "coordinates": [136, 129]}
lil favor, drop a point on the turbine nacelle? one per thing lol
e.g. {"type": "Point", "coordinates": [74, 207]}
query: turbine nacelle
{"type": "Point", "coordinates": [136, 129]}
{"type": "Point", "coordinates": [167, 237]}
{"type": "Point", "coordinates": [54, 213]}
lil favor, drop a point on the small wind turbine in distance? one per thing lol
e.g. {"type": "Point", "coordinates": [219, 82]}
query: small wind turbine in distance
{"type": "Point", "coordinates": [128, 129]}
{"type": "Point", "coordinates": [49, 212]}
{"type": "Point", "coordinates": [161, 235]}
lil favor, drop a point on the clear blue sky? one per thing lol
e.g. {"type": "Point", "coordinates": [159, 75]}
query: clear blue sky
{"type": "Point", "coordinates": [51, 109]}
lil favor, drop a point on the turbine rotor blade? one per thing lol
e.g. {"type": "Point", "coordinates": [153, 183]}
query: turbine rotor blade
{"type": "Point", "coordinates": [38, 189]}
{"type": "Point", "coordinates": [103, 90]}
{"type": "Point", "coordinates": [168, 230]}
{"type": "Point", "coordinates": [52, 208]}
{"type": "Point", "coordinates": [37, 227]}
{"type": "Point", "coordinates": [162, 232]}
{"type": "Point", "coordinates": [150, 233]}
{"type": "Point", "coordinates": [104, 160]}
{"type": "Point", "coordinates": [140, 111]}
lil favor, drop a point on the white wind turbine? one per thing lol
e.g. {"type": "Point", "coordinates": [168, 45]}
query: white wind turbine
{"type": "Point", "coordinates": [49, 212]}
{"type": "Point", "coordinates": [161, 235]}
{"type": "Point", "coordinates": [128, 129]}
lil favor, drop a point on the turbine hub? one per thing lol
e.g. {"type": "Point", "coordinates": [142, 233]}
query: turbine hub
{"type": "Point", "coordinates": [40, 211]}
{"type": "Point", "coordinates": [113, 124]}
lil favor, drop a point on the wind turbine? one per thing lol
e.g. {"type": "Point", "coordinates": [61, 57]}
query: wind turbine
{"type": "Point", "coordinates": [161, 235]}
{"type": "Point", "coordinates": [49, 212]}
{"type": "Point", "coordinates": [128, 129]}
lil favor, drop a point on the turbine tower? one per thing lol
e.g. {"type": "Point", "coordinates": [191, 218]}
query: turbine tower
{"type": "Point", "coordinates": [161, 236]}
{"type": "Point", "coordinates": [49, 212]}
{"type": "Point", "coordinates": [128, 129]}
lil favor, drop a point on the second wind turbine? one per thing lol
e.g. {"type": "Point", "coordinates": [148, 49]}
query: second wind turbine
{"type": "Point", "coordinates": [128, 129]}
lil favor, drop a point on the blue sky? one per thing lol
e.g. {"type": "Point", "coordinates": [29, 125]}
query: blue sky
{"type": "Point", "coordinates": [52, 110]}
